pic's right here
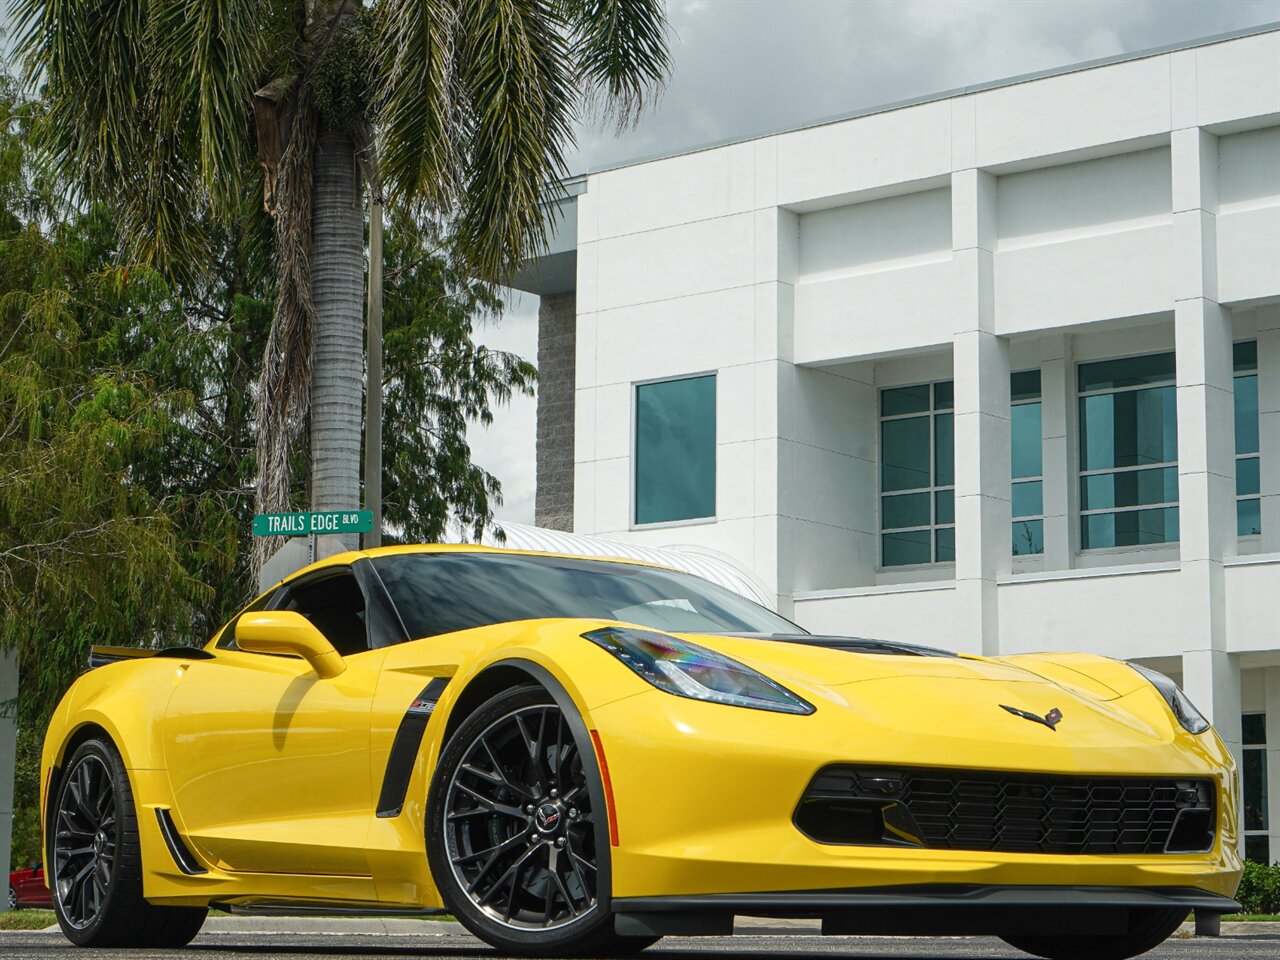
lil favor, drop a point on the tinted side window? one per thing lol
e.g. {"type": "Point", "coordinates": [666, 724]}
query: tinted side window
{"type": "Point", "coordinates": [336, 606]}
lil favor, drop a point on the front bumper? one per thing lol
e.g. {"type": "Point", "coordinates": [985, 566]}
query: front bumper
{"type": "Point", "coordinates": [940, 910]}
{"type": "Point", "coordinates": [705, 797]}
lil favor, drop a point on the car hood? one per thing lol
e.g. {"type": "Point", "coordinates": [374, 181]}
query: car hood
{"type": "Point", "coordinates": [911, 689]}
{"type": "Point", "coordinates": [834, 661]}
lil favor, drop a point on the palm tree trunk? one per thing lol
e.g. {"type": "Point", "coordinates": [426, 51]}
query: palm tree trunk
{"type": "Point", "coordinates": [337, 290]}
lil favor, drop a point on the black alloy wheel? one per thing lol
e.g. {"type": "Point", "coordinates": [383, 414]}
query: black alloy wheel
{"type": "Point", "coordinates": [85, 836]}
{"type": "Point", "coordinates": [96, 859]}
{"type": "Point", "coordinates": [515, 831]}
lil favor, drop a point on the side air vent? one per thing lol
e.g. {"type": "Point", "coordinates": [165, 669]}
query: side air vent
{"type": "Point", "coordinates": [182, 856]}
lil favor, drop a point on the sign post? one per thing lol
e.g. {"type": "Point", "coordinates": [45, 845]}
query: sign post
{"type": "Point", "coordinates": [312, 524]}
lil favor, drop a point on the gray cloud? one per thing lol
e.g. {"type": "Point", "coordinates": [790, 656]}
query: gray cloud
{"type": "Point", "coordinates": [748, 66]}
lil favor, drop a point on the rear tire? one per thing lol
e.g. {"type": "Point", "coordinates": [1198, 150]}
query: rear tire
{"type": "Point", "coordinates": [514, 831]}
{"type": "Point", "coordinates": [13, 899]}
{"type": "Point", "coordinates": [1148, 928]}
{"type": "Point", "coordinates": [96, 859]}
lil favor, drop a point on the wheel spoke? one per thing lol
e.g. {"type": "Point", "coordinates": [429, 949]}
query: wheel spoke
{"type": "Point", "coordinates": [553, 855]}
{"type": "Point", "coordinates": [564, 893]}
{"type": "Point", "coordinates": [493, 852]}
{"type": "Point", "coordinates": [507, 875]}
{"type": "Point", "coordinates": [572, 860]}
{"type": "Point", "coordinates": [582, 861]}
{"type": "Point", "coordinates": [492, 806]}
{"type": "Point", "coordinates": [525, 738]}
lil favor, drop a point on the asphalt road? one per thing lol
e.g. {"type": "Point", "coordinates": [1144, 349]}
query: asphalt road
{"type": "Point", "coordinates": [457, 946]}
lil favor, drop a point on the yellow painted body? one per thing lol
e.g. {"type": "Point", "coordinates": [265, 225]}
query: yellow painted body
{"type": "Point", "coordinates": [272, 773]}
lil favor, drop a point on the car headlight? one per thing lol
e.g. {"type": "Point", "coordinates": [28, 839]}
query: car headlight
{"type": "Point", "coordinates": [688, 670]}
{"type": "Point", "coordinates": [1192, 720]}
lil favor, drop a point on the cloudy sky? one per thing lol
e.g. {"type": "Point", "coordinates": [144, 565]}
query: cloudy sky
{"type": "Point", "coordinates": [747, 66]}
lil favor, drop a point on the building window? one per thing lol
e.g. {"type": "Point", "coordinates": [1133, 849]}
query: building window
{"type": "Point", "coordinates": [1256, 842]}
{"type": "Point", "coordinates": [917, 475]}
{"type": "Point", "coordinates": [675, 457]}
{"type": "Point", "coordinates": [1028, 464]}
{"type": "Point", "coordinates": [1248, 501]}
{"type": "Point", "coordinates": [1128, 452]}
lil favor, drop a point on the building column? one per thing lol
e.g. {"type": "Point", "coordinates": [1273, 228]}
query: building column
{"type": "Point", "coordinates": [8, 755]}
{"type": "Point", "coordinates": [557, 382]}
{"type": "Point", "coordinates": [980, 362]}
{"type": "Point", "coordinates": [1272, 707]}
{"type": "Point", "coordinates": [1206, 446]}
{"type": "Point", "coordinates": [1057, 396]}
{"type": "Point", "coordinates": [1269, 423]}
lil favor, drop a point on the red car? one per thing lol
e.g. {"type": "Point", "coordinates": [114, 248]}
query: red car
{"type": "Point", "coordinates": [27, 889]}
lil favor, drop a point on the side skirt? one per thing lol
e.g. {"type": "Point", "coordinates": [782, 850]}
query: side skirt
{"type": "Point", "coordinates": [270, 907]}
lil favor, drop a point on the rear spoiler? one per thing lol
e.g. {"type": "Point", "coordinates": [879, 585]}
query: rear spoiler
{"type": "Point", "coordinates": [101, 656]}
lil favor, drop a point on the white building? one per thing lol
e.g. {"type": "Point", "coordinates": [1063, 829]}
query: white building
{"type": "Point", "coordinates": [996, 370]}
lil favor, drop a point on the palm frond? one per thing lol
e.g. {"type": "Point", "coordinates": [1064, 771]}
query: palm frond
{"type": "Point", "coordinates": [518, 107]}
{"type": "Point", "coordinates": [206, 60]}
{"type": "Point", "coordinates": [621, 52]}
{"type": "Point", "coordinates": [415, 98]}
{"type": "Point", "coordinates": [87, 56]}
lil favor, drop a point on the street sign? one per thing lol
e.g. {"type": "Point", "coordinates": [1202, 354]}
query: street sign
{"type": "Point", "coordinates": [312, 524]}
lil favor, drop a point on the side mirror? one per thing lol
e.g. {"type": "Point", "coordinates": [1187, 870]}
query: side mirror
{"type": "Point", "coordinates": [289, 633]}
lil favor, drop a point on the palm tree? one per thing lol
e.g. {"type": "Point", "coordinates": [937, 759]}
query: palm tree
{"type": "Point", "coordinates": [178, 112]}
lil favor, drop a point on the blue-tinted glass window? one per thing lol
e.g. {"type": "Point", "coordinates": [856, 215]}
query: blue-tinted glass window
{"type": "Point", "coordinates": [1248, 517]}
{"type": "Point", "coordinates": [1126, 372]}
{"type": "Point", "coordinates": [1129, 529]}
{"type": "Point", "coordinates": [917, 474]}
{"type": "Point", "coordinates": [1028, 499]}
{"type": "Point", "coordinates": [1248, 502]}
{"type": "Point", "coordinates": [944, 540]}
{"type": "Point", "coordinates": [1135, 428]}
{"type": "Point", "coordinates": [1254, 807]}
{"type": "Point", "coordinates": [1027, 459]}
{"type": "Point", "coordinates": [1254, 729]}
{"type": "Point", "coordinates": [905, 547]}
{"type": "Point", "coordinates": [1255, 790]}
{"type": "Point", "coordinates": [1028, 537]}
{"type": "Point", "coordinates": [675, 457]}
{"type": "Point", "coordinates": [904, 454]}
{"type": "Point", "coordinates": [1128, 423]}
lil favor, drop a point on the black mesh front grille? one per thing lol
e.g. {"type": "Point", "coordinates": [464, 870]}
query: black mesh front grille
{"type": "Point", "coordinates": [1009, 812]}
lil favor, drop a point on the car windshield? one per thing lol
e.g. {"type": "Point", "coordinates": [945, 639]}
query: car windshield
{"type": "Point", "coordinates": [439, 593]}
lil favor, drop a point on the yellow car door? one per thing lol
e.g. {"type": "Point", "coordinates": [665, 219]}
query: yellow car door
{"type": "Point", "coordinates": [269, 763]}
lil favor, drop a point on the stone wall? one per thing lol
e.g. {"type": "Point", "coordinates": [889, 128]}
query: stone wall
{"type": "Point", "coordinates": [557, 339]}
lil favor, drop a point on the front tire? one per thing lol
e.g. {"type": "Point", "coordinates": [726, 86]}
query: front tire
{"type": "Point", "coordinates": [1148, 928]}
{"type": "Point", "coordinates": [13, 899]}
{"type": "Point", "coordinates": [97, 860]}
{"type": "Point", "coordinates": [514, 831]}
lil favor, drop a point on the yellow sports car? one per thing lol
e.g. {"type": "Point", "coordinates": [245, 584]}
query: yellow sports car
{"type": "Point", "coordinates": [579, 756]}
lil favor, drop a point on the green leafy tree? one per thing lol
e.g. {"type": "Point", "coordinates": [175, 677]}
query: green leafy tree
{"type": "Point", "coordinates": [436, 382]}
{"type": "Point", "coordinates": [175, 111]}
{"type": "Point", "coordinates": [85, 550]}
